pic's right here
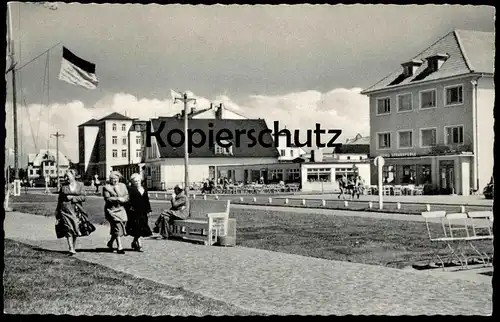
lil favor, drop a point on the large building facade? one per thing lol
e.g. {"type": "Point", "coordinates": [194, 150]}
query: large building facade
{"type": "Point", "coordinates": [432, 120]}
{"type": "Point", "coordinates": [111, 141]}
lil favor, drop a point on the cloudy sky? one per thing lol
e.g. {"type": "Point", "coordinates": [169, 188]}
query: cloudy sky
{"type": "Point", "coordinates": [298, 64]}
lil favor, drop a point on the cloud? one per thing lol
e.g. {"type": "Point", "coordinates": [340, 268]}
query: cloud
{"type": "Point", "coordinates": [340, 108]}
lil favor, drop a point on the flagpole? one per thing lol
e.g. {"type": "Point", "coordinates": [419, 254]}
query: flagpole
{"type": "Point", "coordinates": [14, 98]}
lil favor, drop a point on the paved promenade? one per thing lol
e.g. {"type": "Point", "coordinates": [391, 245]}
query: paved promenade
{"type": "Point", "coordinates": [271, 282]}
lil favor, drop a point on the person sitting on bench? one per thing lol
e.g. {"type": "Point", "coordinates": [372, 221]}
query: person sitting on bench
{"type": "Point", "coordinates": [178, 211]}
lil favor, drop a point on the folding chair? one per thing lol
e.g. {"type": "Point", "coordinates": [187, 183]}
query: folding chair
{"type": "Point", "coordinates": [482, 229]}
{"type": "Point", "coordinates": [439, 238]}
{"type": "Point", "coordinates": [460, 222]}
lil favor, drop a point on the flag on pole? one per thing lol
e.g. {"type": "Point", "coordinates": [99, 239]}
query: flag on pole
{"type": "Point", "coordinates": [175, 95]}
{"type": "Point", "coordinates": [76, 71]}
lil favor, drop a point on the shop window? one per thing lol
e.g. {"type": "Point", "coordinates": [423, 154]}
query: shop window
{"type": "Point", "coordinates": [319, 175]}
{"type": "Point", "coordinates": [388, 174]}
{"type": "Point", "coordinates": [426, 174]}
{"type": "Point", "coordinates": [292, 175]}
{"type": "Point", "coordinates": [276, 175]}
{"type": "Point", "coordinates": [409, 174]}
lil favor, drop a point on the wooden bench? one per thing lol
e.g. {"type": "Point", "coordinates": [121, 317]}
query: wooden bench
{"type": "Point", "coordinates": [208, 220]}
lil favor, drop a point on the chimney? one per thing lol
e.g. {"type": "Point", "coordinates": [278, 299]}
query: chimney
{"type": "Point", "coordinates": [409, 68]}
{"type": "Point", "coordinates": [218, 112]}
{"type": "Point", "coordinates": [316, 155]}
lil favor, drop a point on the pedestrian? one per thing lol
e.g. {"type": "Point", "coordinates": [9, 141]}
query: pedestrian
{"type": "Point", "coordinates": [71, 219]}
{"type": "Point", "coordinates": [342, 186]}
{"type": "Point", "coordinates": [138, 210]}
{"type": "Point", "coordinates": [178, 211]}
{"type": "Point", "coordinates": [116, 197]}
{"type": "Point", "coordinates": [97, 183]}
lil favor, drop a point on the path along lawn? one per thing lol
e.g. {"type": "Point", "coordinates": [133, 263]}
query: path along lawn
{"type": "Point", "coordinates": [393, 243]}
{"type": "Point", "coordinates": [75, 287]}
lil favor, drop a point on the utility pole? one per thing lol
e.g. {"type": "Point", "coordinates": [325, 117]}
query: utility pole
{"type": "Point", "coordinates": [57, 136]}
{"type": "Point", "coordinates": [186, 100]}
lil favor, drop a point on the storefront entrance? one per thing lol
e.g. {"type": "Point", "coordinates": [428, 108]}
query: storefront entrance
{"type": "Point", "coordinates": [447, 177]}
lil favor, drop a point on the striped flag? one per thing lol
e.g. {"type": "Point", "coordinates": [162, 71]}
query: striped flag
{"type": "Point", "coordinates": [175, 95]}
{"type": "Point", "coordinates": [76, 71]}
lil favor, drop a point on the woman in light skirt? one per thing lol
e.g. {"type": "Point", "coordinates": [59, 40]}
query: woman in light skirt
{"type": "Point", "coordinates": [116, 197]}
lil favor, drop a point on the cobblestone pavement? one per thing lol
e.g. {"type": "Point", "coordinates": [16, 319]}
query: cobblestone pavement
{"type": "Point", "coordinates": [271, 282]}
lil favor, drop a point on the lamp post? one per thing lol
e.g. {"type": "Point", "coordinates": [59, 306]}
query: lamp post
{"type": "Point", "coordinates": [185, 99]}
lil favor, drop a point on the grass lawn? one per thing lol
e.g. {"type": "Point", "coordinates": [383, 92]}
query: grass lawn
{"type": "Point", "coordinates": [74, 287]}
{"type": "Point", "coordinates": [394, 243]}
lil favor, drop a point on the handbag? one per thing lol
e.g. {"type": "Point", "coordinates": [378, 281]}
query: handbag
{"type": "Point", "coordinates": [60, 229]}
{"type": "Point", "coordinates": [84, 226]}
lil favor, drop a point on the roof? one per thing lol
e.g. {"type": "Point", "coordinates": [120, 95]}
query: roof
{"type": "Point", "coordinates": [354, 148]}
{"type": "Point", "coordinates": [358, 139]}
{"type": "Point", "coordinates": [468, 52]}
{"type": "Point", "coordinates": [243, 150]}
{"type": "Point", "coordinates": [116, 116]}
{"type": "Point", "coordinates": [37, 158]}
{"type": "Point", "coordinates": [91, 122]}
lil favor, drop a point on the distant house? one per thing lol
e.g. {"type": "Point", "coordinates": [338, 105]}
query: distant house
{"type": "Point", "coordinates": [432, 118]}
{"type": "Point", "coordinates": [43, 164]}
{"type": "Point", "coordinates": [165, 165]}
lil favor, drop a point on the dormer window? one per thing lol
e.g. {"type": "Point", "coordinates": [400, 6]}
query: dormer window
{"type": "Point", "coordinates": [435, 62]}
{"type": "Point", "coordinates": [219, 150]}
{"type": "Point", "coordinates": [409, 68]}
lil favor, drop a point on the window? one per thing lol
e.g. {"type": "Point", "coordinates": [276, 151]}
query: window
{"type": "Point", "coordinates": [453, 95]}
{"type": "Point", "coordinates": [388, 174]}
{"type": "Point", "coordinates": [138, 140]}
{"type": "Point", "coordinates": [32, 172]}
{"type": "Point", "coordinates": [292, 175]}
{"type": "Point", "coordinates": [409, 174]}
{"type": "Point", "coordinates": [405, 102]}
{"type": "Point", "coordinates": [52, 171]}
{"type": "Point", "coordinates": [454, 134]}
{"type": "Point", "coordinates": [384, 140]}
{"type": "Point", "coordinates": [428, 137]}
{"type": "Point", "coordinates": [383, 106]}
{"type": "Point", "coordinates": [405, 139]}
{"type": "Point", "coordinates": [124, 153]}
{"type": "Point", "coordinates": [115, 153]}
{"type": "Point", "coordinates": [223, 151]}
{"type": "Point", "coordinates": [426, 174]}
{"type": "Point", "coordinates": [291, 153]}
{"type": "Point", "coordinates": [124, 140]}
{"type": "Point", "coordinates": [319, 175]}
{"type": "Point", "coordinates": [114, 140]}
{"type": "Point", "coordinates": [138, 153]}
{"type": "Point", "coordinates": [276, 175]}
{"type": "Point", "coordinates": [114, 126]}
{"type": "Point", "coordinates": [340, 172]}
{"type": "Point", "coordinates": [282, 153]}
{"type": "Point", "coordinates": [428, 99]}
{"type": "Point", "coordinates": [46, 171]}
{"type": "Point", "coordinates": [124, 127]}
{"type": "Point", "coordinates": [348, 158]}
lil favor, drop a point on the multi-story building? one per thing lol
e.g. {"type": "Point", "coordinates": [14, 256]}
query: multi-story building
{"type": "Point", "coordinates": [432, 118]}
{"type": "Point", "coordinates": [114, 140]}
{"type": "Point", "coordinates": [43, 164]}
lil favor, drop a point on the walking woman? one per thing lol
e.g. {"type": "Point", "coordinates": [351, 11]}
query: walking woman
{"type": "Point", "coordinates": [138, 209]}
{"type": "Point", "coordinates": [116, 197]}
{"type": "Point", "coordinates": [71, 220]}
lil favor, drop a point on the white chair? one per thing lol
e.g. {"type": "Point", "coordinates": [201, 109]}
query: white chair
{"type": "Point", "coordinates": [439, 216]}
{"type": "Point", "coordinates": [397, 190]}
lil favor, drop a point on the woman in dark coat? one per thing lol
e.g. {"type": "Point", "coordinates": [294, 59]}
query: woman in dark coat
{"type": "Point", "coordinates": [72, 221]}
{"type": "Point", "coordinates": [138, 210]}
